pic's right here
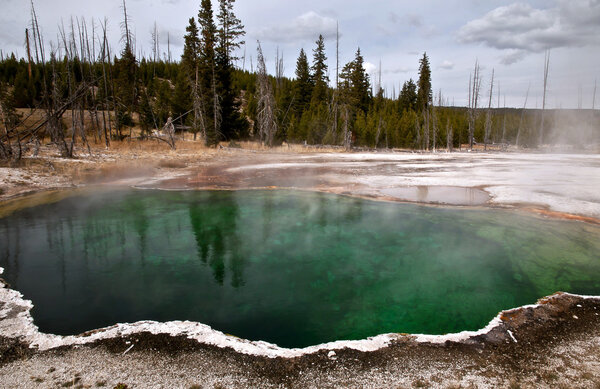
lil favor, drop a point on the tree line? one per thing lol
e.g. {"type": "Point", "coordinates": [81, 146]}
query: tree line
{"type": "Point", "coordinates": [117, 96]}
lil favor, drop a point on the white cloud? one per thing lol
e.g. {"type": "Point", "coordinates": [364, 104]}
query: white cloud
{"type": "Point", "coordinates": [174, 37]}
{"type": "Point", "coordinates": [513, 56]}
{"type": "Point", "coordinates": [404, 69]}
{"type": "Point", "coordinates": [304, 27]}
{"type": "Point", "coordinates": [414, 20]}
{"type": "Point", "coordinates": [523, 29]}
{"type": "Point", "coordinates": [369, 67]}
{"type": "Point", "coordinates": [446, 65]}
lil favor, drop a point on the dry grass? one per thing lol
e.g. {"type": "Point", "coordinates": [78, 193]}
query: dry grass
{"type": "Point", "coordinates": [171, 164]}
{"type": "Point", "coordinates": [184, 143]}
{"type": "Point", "coordinates": [286, 147]}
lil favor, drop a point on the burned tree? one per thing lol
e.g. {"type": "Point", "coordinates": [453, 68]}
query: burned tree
{"type": "Point", "coordinates": [546, 67]}
{"type": "Point", "coordinates": [449, 136]}
{"type": "Point", "coordinates": [522, 117]}
{"type": "Point", "coordinates": [488, 116]}
{"type": "Point", "coordinates": [474, 88]}
{"type": "Point", "coordinates": [9, 120]}
{"type": "Point", "coordinates": [266, 115]}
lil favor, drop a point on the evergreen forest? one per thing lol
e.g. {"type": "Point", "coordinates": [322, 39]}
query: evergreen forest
{"type": "Point", "coordinates": [206, 95]}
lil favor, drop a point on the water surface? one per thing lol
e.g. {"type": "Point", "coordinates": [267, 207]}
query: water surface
{"type": "Point", "coordinates": [291, 268]}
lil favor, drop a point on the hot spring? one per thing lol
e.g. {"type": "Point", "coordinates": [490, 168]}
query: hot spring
{"type": "Point", "coordinates": [290, 268]}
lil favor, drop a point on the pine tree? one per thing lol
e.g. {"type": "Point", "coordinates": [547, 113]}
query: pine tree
{"type": "Point", "coordinates": [181, 102]}
{"type": "Point", "coordinates": [190, 61]}
{"type": "Point", "coordinates": [126, 87]}
{"type": "Point", "coordinates": [230, 32]}
{"type": "Point", "coordinates": [229, 35]}
{"type": "Point", "coordinates": [407, 101]}
{"type": "Point", "coordinates": [304, 85]}
{"type": "Point", "coordinates": [424, 94]}
{"type": "Point", "coordinates": [24, 89]}
{"type": "Point", "coordinates": [126, 79]}
{"type": "Point", "coordinates": [191, 49]}
{"type": "Point", "coordinates": [355, 84]}
{"type": "Point", "coordinates": [360, 82]}
{"type": "Point", "coordinates": [164, 98]}
{"type": "Point", "coordinates": [319, 68]}
{"type": "Point", "coordinates": [207, 74]}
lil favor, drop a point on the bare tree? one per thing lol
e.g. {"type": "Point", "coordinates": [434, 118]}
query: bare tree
{"type": "Point", "coordinates": [594, 97]}
{"type": "Point", "coordinates": [426, 129]}
{"type": "Point", "coordinates": [169, 131]}
{"type": "Point", "coordinates": [503, 123]}
{"type": "Point", "coordinates": [418, 131]}
{"type": "Point", "coordinates": [347, 132]}
{"type": "Point", "coordinates": [522, 116]}
{"type": "Point", "coordinates": [474, 88]}
{"type": "Point", "coordinates": [9, 120]}
{"type": "Point", "coordinates": [216, 100]}
{"type": "Point", "coordinates": [279, 69]}
{"type": "Point", "coordinates": [449, 136]}
{"type": "Point", "coordinates": [488, 115]}
{"type": "Point", "coordinates": [168, 54]}
{"type": "Point", "coordinates": [334, 106]}
{"type": "Point", "coordinates": [105, 53]}
{"type": "Point", "coordinates": [127, 37]}
{"type": "Point", "coordinates": [546, 67]}
{"type": "Point", "coordinates": [434, 119]}
{"type": "Point", "coordinates": [155, 47]}
{"type": "Point", "coordinates": [266, 102]}
{"type": "Point", "coordinates": [337, 54]}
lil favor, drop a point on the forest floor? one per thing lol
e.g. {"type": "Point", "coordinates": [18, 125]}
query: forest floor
{"type": "Point", "coordinates": [555, 344]}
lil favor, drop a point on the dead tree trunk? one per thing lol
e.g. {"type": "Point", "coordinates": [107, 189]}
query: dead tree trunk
{"type": "Point", "coordinates": [216, 107]}
{"type": "Point", "coordinates": [347, 132]}
{"type": "Point", "coordinates": [594, 97]}
{"type": "Point", "coordinates": [488, 116]}
{"type": "Point", "coordinates": [474, 88]}
{"type": "Point", "coordinates": [449, 136]}
{"type": "Point", "coordinates": [266, 103]}
{"type": "Point", "coordinates": [546, 67]}
{"type": "Point", "coordinates": [522, 117]}
{"type": "Point", "coordinates": [426, 129]}
{"type": "Point", "coordinates": [418, 130]}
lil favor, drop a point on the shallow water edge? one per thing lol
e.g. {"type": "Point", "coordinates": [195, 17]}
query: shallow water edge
{"type": "Point", "coordinates": [482, 199]}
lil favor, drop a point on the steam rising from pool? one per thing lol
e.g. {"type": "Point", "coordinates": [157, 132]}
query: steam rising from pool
{"type": "Point", "coordinates": [291, 268]}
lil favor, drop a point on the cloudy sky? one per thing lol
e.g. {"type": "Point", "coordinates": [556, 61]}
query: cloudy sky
{"type": "Point", "coordinates": [509, 37]}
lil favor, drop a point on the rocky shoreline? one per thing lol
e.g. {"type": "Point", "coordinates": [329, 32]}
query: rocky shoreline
{"type": "Point", "coordinates": [554, 342]}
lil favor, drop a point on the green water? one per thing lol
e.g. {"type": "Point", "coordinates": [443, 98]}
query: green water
{"type": "Point", "coordinates": [290, 268]}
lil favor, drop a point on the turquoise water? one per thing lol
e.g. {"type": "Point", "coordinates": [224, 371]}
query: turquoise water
{"type": "Point", "coordinates": [292, 268]}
